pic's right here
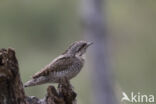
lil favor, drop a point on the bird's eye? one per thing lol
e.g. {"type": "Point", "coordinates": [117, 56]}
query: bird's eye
{"type": "Point", "coordinates": [81, 47]}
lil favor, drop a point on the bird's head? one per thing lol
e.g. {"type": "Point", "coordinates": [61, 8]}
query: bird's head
{"type": "Point", "coordinates": [78, 48]}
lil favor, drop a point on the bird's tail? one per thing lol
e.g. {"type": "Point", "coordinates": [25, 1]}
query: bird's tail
{"type": "Point", "coordinates": [36, 81]}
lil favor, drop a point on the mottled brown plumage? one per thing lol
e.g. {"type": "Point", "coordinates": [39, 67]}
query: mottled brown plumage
{"type": "Point", "coordinates": [67, 65]}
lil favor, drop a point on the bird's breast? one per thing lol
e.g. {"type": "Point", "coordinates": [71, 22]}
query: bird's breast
{"type": "Point", "coordinates": [68, 73]}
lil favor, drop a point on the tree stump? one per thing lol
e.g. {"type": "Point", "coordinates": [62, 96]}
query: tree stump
{"type": "Point", "coordinates": [11, 86]}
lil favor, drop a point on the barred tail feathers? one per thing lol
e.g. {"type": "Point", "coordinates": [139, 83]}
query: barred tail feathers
{"type": "Point", "coordinates": [36, 81]}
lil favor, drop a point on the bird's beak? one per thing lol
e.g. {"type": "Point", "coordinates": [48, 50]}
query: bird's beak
{"type": "Point", "coordinates": [89, 43]}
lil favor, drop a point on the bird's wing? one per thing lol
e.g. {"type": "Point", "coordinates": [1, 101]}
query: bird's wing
{"type": "Point", "coordinates": [60, 64]}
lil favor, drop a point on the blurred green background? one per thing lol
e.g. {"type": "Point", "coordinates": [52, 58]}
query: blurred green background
{"type": "Point", "coordinates": [41, 30]}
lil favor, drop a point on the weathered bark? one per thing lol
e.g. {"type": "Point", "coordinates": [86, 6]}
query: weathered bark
{"type": "Point", "coordinates": [11, 87]}
{"type": "Point", "coordinates": [95, 29]}
{"type": "Point", "coordinates": [63, 95]}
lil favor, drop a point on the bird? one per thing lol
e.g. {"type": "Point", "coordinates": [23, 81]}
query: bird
{"type": "Point", "coordinates": [67, 65]}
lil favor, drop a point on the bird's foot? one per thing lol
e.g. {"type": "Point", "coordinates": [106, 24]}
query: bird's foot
{"type": "Point", "coordinates": [65, 82]}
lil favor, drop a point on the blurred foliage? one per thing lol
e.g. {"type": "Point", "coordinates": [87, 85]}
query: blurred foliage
{"type": "Point", "coordinates": [41, 30]}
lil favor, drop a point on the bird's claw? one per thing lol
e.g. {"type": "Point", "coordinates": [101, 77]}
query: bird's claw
{"type": "Point", "coordinates": [65, 82]}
